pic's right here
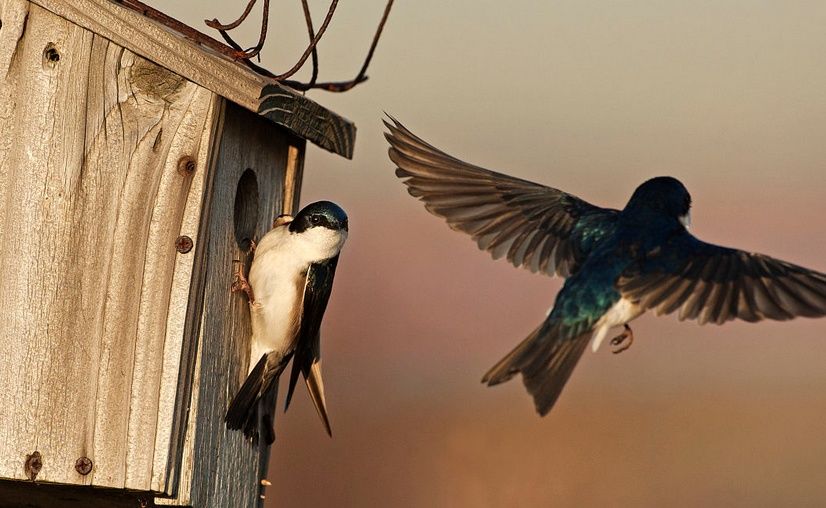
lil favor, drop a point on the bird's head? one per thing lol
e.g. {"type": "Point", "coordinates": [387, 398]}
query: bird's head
{"type": "Point", "coordinates": [663, 195]}
{"type": "Point", "coordinates": [321, 214]}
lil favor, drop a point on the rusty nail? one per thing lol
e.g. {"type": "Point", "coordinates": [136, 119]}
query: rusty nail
{"type": "Point", "coordinates": [83, 465]}
{"type": "Point", "coordinates": [33, 465]}
{"type": "Point", "coordinates": [186, 165]}
{"type": "Point", "coordinates": [183, 244]}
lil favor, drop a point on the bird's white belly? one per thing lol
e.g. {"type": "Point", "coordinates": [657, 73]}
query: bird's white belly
{"type": "Point", "coordinates": [619, 314]}
{"type": "Point", "coordinates": [277, 309]}
{"type": "Point", "coordinates": [278, 276]}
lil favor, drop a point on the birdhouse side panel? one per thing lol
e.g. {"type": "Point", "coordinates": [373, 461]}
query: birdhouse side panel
{"type": "Point", "coordinates": [257, 166]}
{"type": "Point", "coordinates": [184, 317]}
{"type": "Point", "coordinates": [93, 278]}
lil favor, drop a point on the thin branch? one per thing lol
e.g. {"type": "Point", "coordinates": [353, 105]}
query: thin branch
{"type": "Point", "coordinates": [312, 45]}
{"type": "Point", "coordinates": [309, 19]}
{"type": "Point", "coordinates": [218, 26]}
{"type": "Point", "coordinates": [264, 22]}
{"type": "Point", "coordinates": [361, 77]}
{"type": "Point", "coordinates": [241, 54]}
{"type": "Point", "coordinates": [244, 56]}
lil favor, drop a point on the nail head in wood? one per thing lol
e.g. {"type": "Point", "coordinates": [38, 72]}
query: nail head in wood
{"type": "Point", "coordinates": [33, 465]}
{"type": "Point", "coordinates": [50, 55]}
{"type": "Point", "coordinates": [183, 244]}
{"type": "Point", "coordinates": [83, 465]}
{"type": "Point", "coordinates": [186, 165]}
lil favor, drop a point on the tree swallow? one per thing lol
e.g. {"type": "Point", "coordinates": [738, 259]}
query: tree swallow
{"type": "Point", "coordinates": [289, 285]}
{"type": "Point", "coordinates": [617, 263]}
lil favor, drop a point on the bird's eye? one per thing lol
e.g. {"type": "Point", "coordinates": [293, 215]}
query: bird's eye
{"type": "Point", "coordinates": [315, 219]}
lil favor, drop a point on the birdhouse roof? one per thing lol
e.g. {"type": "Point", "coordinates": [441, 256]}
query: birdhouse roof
{"type": "Point", "coordinates": [182, 54]}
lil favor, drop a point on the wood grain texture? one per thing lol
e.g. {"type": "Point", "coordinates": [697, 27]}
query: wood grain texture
{"type": "Point", "coordinates": [181, 459]}
{"type": "Point", "coordinates": [293, 176]}
{"type": "Point", "coordinates": [307, 119]}
{"type": "Point", "coordinates": [219, 467]}
{"type": "Point", "coordinates": [183, 316]}
{"type": "Point", "coordinates": [92, 289]}
{"type": "Point", "coordinates": [213, 71]}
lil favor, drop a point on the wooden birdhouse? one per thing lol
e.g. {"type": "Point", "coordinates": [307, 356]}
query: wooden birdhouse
{"type": "Point", "coordinates": [135, 166]}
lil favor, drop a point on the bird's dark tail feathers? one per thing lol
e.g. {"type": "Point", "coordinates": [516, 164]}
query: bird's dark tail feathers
{"type": "Point", "coordinates": [545, 359]}
{"type": "Point", "coordinates": [253, 407]}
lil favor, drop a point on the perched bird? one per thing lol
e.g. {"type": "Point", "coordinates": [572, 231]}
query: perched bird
{"type": "Point", "coordinates": [289, 285]}
{"type": "Point", "coordinates": [617, 263]}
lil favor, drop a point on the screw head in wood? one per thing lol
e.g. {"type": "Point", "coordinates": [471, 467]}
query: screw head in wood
{"type": "Point", "coordinates": [183, 244]}
{"type": "Point", "coordinates": [186, 165]}
{"type": "Point", "coordinates": [33, 465]}
{"type": "Point", "coordinates": [51, 56]}
{"type": "Point", "coordinates": [83, 465]}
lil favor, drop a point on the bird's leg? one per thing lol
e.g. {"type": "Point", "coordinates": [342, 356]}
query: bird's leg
{"type": "Point", "coordinates": [623, 340]}
{"type": "Point", "coordinates": [240, 283]}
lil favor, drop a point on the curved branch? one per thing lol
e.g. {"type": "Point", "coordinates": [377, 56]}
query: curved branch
{"type": "Point", "coordinates": [312, 45]}
{"type": "Point", "coordinates": [308, 17]}
{"type": "Point", "coordinates": [218, 26]}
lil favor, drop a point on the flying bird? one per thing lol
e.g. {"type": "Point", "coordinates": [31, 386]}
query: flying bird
{"type": "Point", "coordinates": [617, 264]}
{"type": "Point", "coordinates": [289, 285]}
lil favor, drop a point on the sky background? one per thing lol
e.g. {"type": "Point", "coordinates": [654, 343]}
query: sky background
{"type": "Point", "coordinates": [592, 97]}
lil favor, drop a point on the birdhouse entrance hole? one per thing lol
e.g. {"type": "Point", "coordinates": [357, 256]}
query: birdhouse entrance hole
{"type": "Point", "coordinates": [246, 209]}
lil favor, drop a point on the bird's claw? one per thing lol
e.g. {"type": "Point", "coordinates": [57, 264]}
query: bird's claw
{"type": "Point", "coordinates": [623, 340]}
{"type": "Point", "coordinates": [240, 283]}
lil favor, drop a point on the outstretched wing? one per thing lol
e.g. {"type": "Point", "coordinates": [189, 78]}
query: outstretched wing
{"type": "Point", "coordinates": [716, 284]}
{"type": "Point", "coordinates": [307, 358]}
{"type": "Point", "coordinates": [534, 226]}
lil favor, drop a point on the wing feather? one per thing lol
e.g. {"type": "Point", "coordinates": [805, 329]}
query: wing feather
{"type": "Point", "coordinates": [307, 358]}
{"type": "Point", "coordinates": [716, 284]}
{"type": "Point", "coordinates": [531, 225]}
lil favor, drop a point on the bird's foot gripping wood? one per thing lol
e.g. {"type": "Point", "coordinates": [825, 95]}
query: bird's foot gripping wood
{"type": "Point", "coordinates": [240, 283]}
{"type": "Point", "coordinates": [623, 340]}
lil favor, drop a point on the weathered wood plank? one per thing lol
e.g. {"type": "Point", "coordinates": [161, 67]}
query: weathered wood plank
{"type": "Point", "coordinates": [226, 471]}
{"type": "Point", "coordinates": [181, 459]}
{"type": "Point", "coordinates": [203, 475]}
{"type": "Point", "coordinates": [305, 119]}
{"type": "Point", "coordinates": [13, 13]}
{"type": "Point", "coordinates": [184, 318]}
{"type": "Point", "coordinates": [223, 467]}
{"type": "Point", "coordinates": [213, 71]}
{"type": "Point", "coordinates": [90, 137]}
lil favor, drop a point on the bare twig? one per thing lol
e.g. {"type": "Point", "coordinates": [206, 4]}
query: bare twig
{"type": "Point", "coordinates": [264, 72]}
{"type": "Point", "coordinates": [236, 52]}
{"type": "Point", "coordinates": [242, 54]}
{"type": "Point", "coordinates": [309, 19]}
{"type": "Point", "coordinates": [218, 26]}
{"type": "Point", "coordinates": [361, 77]}
{"type": "Point", "coordinates": [313, 43]}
